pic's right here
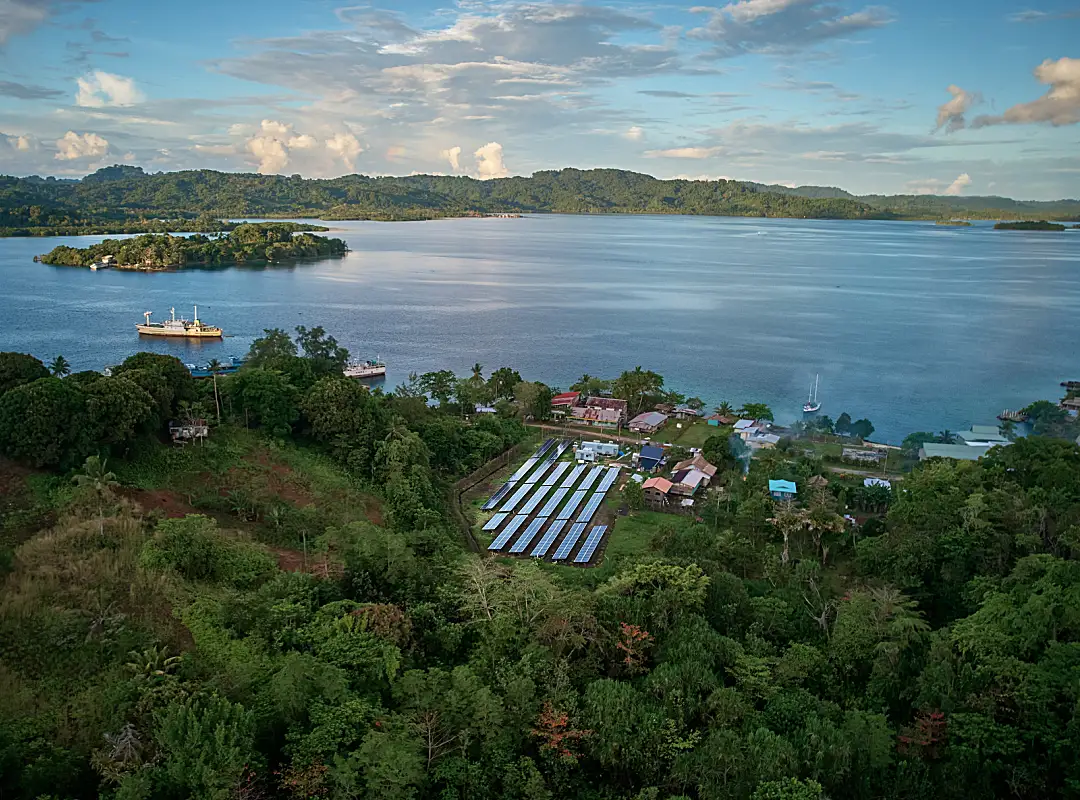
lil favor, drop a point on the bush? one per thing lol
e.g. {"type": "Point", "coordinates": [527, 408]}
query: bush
{"type": "Point", "coordinates": [194, 548]}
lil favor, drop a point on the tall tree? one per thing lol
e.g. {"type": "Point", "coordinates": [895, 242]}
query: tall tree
{"type": "Point", "coordinates": [59, 367]}
{"type": "Point", "coordinates": [638, 387]}
{"type": "Point", "coordinates": [98, 481]}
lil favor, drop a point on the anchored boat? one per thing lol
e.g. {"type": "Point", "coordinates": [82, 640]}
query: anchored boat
{"type": "Point", "coordinates": [372, 368]}
{"type": "Point", "coordinates": [812, 404]}
{"type": "Point", "coordinates": [191, 329]}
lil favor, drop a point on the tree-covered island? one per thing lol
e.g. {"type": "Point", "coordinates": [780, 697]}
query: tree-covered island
{"type": "Point", "coordinates": [1039, 225]}
{"type": "Point", "coordinates": [247, 244]}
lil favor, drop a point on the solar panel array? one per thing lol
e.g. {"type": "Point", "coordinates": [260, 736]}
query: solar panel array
{"type": "Point", "coordinates": [556, 473]}
{"type": "Point", "coordinates": [553, 502]}
{"type": "Point", "coordinates": [535, 500]}
{"type": "Point", "coordinates": [517, 497]}
{"type": "Point", "coordinates": [500, 541]}
{"type": "Point", "coordinates": [608, 480]}
{"type": "Point", "coordinates": [549, 537]}
{"type": "Point", "coordinates": [590, 507]}
{"type": "Point", "coordinates": [590, 479]}
{"type": "Point", "coordinates": [571, 507]}
{"type": "Point", "coordinates": [528, 536]}
{"type": "Point", "coordinates": [495, 522]}
{"type": "Point", "coordinates": [585, 554]}
{"type": "Point", "coordinates": [575, 473]}
{"type": "Point", "coordinates": [498, 496]}
{"type": "Point", "coordinates": [568, 543]}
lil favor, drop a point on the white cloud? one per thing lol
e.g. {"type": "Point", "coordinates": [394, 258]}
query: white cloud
{"type": "Point", "coordinates": [346, 147]}
{"type": "Point", "coordinates": [957, 187]}
{"type": "Point", "coordinates": [780, 26]}
{"type": "Point", "coordinates": [103, 89]}
{"type": "Point", "coordinates": [950, 115]}
{"type": "Point", "coordinates": [453, 155]}
{"type": "Point", "coordinates": [1059, 106]}
{"type": "Point", "coordinates": [216, 149]}
{"type": "Point", "coordinates": [489, 161]}
{"type": "Point", "coordinates": [20, 16]}
{"type": "Point", "coordinates": [75, 146]}
{"type": "Point", "coordinates": [685, 152]}
{"type": "Point", "coordinates": [635, 133]}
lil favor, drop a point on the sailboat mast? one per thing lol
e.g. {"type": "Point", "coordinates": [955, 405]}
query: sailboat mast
{"type": "Point", "coordinates": [816, 376]}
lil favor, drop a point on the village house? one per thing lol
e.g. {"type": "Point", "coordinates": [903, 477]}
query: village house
{"type": "Point", "coordinates": [656, 492]}
{"type": "Point", "coordinates": [698, 462]}
{"type": "Point", "coordinates": [685, 412]}
{"type": "Point", "coordinates": [649, 422]}
{"type": "Point", "coordinates": [184, 432]}
{"type": "Point", "coordinates": [596, 417]}
{"type": "Point", "coordinates": [649, 458]}
{"type": "Point", "coordinates": [562, 403]}
{"type": "Point", "coordinates": [718, 420]}
{"type": "Point", "coordinates": [1070, 404]}
{"type": "Point", "coordinates": [687, 482]}
{"type": "Point", "coordinates": [782, 490]}
{"type": "Point", "coordinates": [981, 436]}
{"type": "Point", "coordinates": [611, 404]}
{"type": "Point", "coordinates": [957, 452]}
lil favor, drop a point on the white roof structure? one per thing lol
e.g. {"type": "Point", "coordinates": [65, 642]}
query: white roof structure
{"type": "Point", "coordinates": [744, 424]}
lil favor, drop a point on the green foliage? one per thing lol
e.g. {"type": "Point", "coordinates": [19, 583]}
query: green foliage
{"type": "Point", "coordinates": [640, 388]}
{"type": "Point", "coordinates": [195, 549]}
{"type": "Point", "coordinates": [634, 495]}
{"type": "Point", "coordinates": [17, 369]}
{"type": "Point", "coordinates": [247, 244]}
{"type": "Point", "coordinates": [264, 398]}
{"type": "Point", "coordinates": [43, 423]}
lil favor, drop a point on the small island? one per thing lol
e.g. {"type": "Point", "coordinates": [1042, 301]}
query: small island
{"type": "Point", "coordinates": [249, 244]}
{"type": "Point", "coordinates": [1027, 225]}
{"type": "Point", "coordinates": [958, 223]}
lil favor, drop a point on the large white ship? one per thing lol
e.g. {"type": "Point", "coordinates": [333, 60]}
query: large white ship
{"type": "Point", "coordinates": [372, 368]}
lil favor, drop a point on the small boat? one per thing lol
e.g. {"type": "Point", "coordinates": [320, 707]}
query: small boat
{"type": "Point", "coordinates": [229, 367]}
{"type": "Point", "coordinates": [372, 368]}
{"type": "Point", "coordinates": [1008, 415]}
{"type": "Point", "coordinates": [104, 263]}
{"type": "Point", "coordinates": [179, 327]}
{"type": "Point", "coordinates": [812, 404]}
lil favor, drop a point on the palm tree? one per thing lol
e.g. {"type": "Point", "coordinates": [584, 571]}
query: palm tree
{"type": "Point", "coordinates": [945, 437]}
{"type": "Point", "coordinates": [60, 367]}
{"type": "Point", "coordinates": [725, 409]}
{"type": "Point", "coordinates": [216, 366]}
{"type": "Point", "coordinates": [100, 482]}
{"type": "Point", "coordinates": [477, 373]}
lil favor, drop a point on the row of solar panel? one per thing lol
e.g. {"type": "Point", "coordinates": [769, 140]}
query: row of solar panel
{"type": "Point", "coordinates": [585, 554]}
{"type": "Point", "coordinates": [567, 545]}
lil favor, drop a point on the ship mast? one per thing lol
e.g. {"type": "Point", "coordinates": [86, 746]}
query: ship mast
{"type": "Point", "coordinates": [196, 315]}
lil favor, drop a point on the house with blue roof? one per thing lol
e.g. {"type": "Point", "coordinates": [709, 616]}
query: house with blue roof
{"type": "Point", "coordinates": [782, 490]}
{"type": "Point", "coordinates": [650, 458]}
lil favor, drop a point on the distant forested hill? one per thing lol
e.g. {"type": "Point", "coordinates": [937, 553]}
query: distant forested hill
{"type": "Point", "coordinates": [125, 198]}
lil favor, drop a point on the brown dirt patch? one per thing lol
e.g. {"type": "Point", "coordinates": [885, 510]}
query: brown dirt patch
{"type": "Point", "coordinates": [321, 565]}
{"type": "Point", "coordinates": [373, 511]}
{"type": "Point", "coordinates": [168, 503]}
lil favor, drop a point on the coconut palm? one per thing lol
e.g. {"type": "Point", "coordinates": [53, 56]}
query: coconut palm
{"type": "Point", "coordinates": [945, 437]}
{"type": "Point", "coordinates": [725, 409]}
{"type": "Point", "coordinates": [60, 367]}
{"type": "Point", "coordinates": [98, 480]}
{"type": "Point", "coordinates": [477, 373]}
{"type": "Point", "coordinates": [215, 367]}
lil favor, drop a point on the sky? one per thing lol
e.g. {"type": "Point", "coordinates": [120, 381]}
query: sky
{"type": "Point", "coordinates": [965, 97]}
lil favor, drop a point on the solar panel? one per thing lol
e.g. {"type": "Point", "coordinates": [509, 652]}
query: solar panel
{"type": "Point", "coordinates": [495, 522]}
{"type": "Point", "coordinates": [544, 448]}
{"type": "Point", "coordinates": [549, 537]}
{"type": "Point", "coordinates": [568, 543]}
{"type": "Point", "coordinates": [571, 507]}
{"type": "Point", "coordinates": [590, 507]}
{"type": "Point", "coordinates": [517, 497]}
{"type": "Point", "coordinates": [500, 541]}
{"type": "Point", "coordinates": [590, 479]}
{"type": "Point", "coordinates": [553, 502]}
{"type": "Point", "coordinates": [575, 473]}
{"type": "Point", "coordinates": [608, 480]}
{"type": "Point", "coordinates": [585, 554]}
{"type": "Point", "coordinates": [530, 534]}
{"type": "Point", "coordinates": [556, 473]}
{"type": "Point", "coordinates": [523, 470]}
{"type": "Point", "coordinates": [564, 445]}
{"type": "Point", "coordinates": [499, 495]}
{"type": "Point", "coordinates": [539, 472]}
{"type": "Point", "coordinates": [535, 499]}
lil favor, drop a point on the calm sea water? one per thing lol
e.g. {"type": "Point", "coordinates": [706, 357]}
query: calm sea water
{"type": "Point", "coordinates": [912, 325]}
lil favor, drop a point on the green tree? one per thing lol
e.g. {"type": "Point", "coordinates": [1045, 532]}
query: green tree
{"type": "Point", "coordinates": [265, 398]}
{"type": "Point", "coordinates": [43, 423]}
{"type": "Point", "coordinates": [17, 369]}
{"type": "Point", "coordinates": [758, 411]}
{"type": "Point", "coordinates": [633, 495]}
{"type": "Point", "coordinates": [638, 387]}
{"type": "Point", "coordinates": [788, 789]}
{"type": "Point", "coordinates": [271, 348]}
{"type": "Point", "coordinates": [439, 385]}
{"type": "Point", "coordinates": [862, 428]}
{"type": "Point", "coordinates": [215, 366]}
{"type": "Point", "coordinates": [327, 357]}
{"type": "Point", "coordinates": [99, 482]}
{"type": "Point", "coordinates": [117, 409]}
{"type": "Point", "coordinates": [725, 409]}
{"type": "Point", "coordinates": [60, 368]}
{"type": "Point", "coordinates": [502, 381]}
{"type": "Point", "coordinates": [533, 399]}
{"type": "Point", "coordinates": [843, 424]}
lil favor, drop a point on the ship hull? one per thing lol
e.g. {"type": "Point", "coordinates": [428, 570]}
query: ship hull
{"type": "Point", "coordinates": [370, 372]}
{"type": "Point", "coordinates": [180, 334]}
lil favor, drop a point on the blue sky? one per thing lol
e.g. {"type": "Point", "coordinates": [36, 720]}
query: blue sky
{"type": "Point", "coordinates": [962, 97]}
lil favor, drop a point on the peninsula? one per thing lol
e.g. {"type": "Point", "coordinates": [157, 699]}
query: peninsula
{"type": "Point", "coordinates": [248, 244]}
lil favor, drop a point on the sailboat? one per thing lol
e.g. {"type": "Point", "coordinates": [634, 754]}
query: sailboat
{"type": "Point", "coordinates": [812, 404]}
